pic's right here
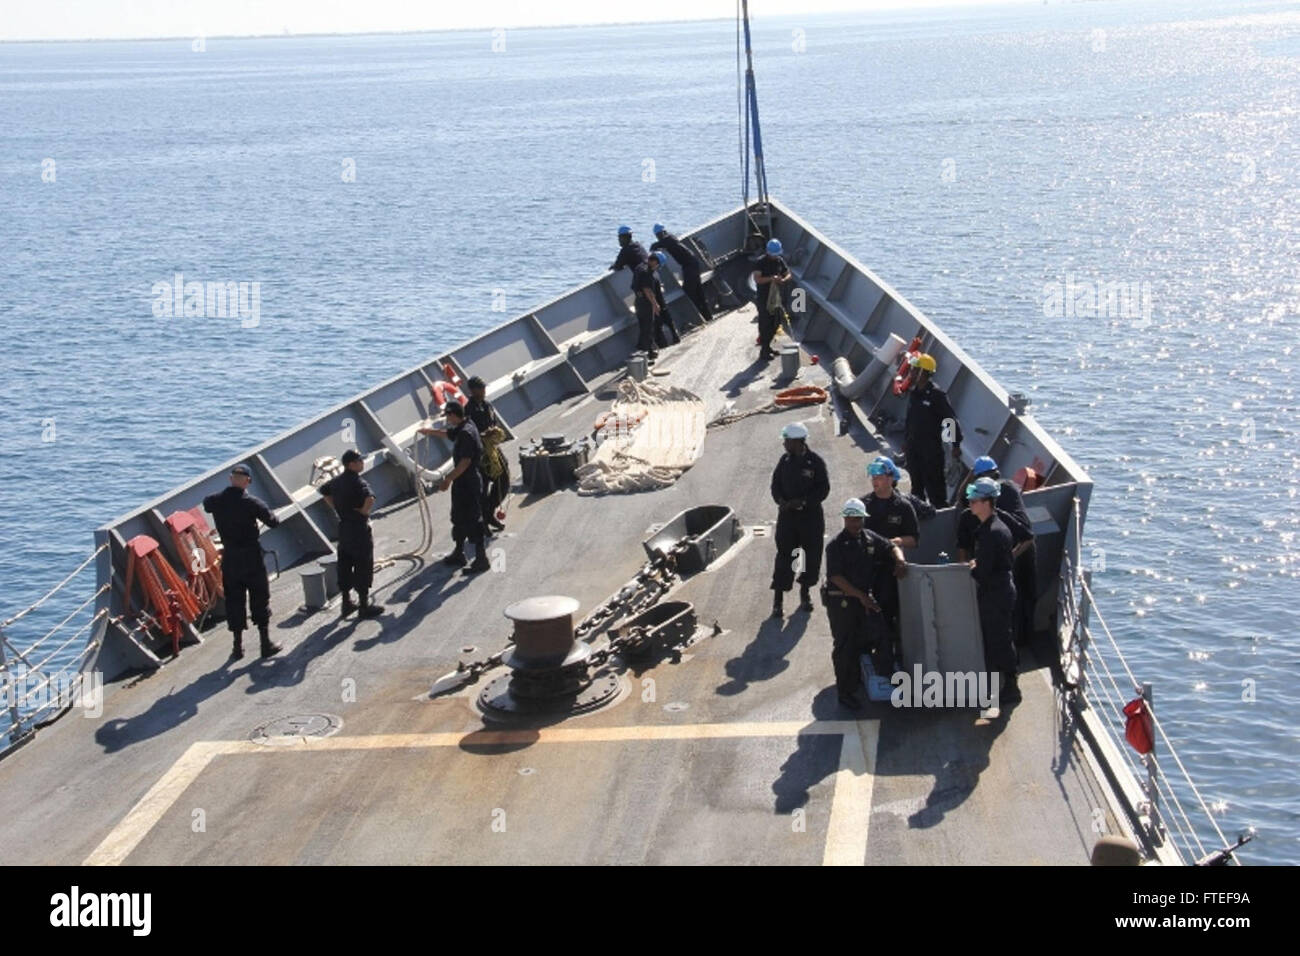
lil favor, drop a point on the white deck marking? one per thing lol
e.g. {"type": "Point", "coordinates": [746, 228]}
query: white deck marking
{"type": "Point", "coordinates": [846, 835]}
{"type": "Point", "coordinates": [850, 808]}
{"type": "Point", "coordinates": [126, 836]}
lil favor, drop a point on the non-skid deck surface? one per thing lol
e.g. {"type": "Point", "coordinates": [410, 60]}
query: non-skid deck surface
{"type": "Point", "coordinates": [736, 753]}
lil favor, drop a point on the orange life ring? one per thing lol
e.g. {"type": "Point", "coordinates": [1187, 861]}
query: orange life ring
{"type": "Point", "coordinates": [801, 395]}
{"type": "Point", "coordinates": [903, 378]}
{"type": "Point", "coordinates": [444, 392]}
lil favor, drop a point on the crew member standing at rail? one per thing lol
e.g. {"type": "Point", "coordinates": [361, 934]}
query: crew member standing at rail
{"type": "Point", "coordinates": [466, 484]}
{"type": "Point", "coordinates": [857, 561]}
{"type": "Point", "coordinates": [243, 572]}
{"type": "Point", "coordinates": [928, 412]}
{"type": "Point", "coordinates": [800, 484]}
{"type": "Point", "coordinates": [771, 274]}
{"type": "Point", "coordinates": [1011, 509]}
{"type": "Point", "coordinates": [891, 516]}
{"type": "Point", "coordinates": [495, 468]}
{"type": "Point", "coordinates": [630, 254]}
{"type": "Point", "coordinates": [351, 498]}
{"type": "Point", "coordinates": [995, 589]}
{"type": "Point", "coordinates": [663, 318]}
{"type": "Point", "coordinates": [690, 264]}
{"type": "Point", "coordinates": [647, 309]}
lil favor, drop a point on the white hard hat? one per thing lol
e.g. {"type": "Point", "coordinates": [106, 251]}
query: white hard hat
{"type": "Point", "coordinates": [854, 508]}
{"type": "Point", "coordinates": [794, 430]}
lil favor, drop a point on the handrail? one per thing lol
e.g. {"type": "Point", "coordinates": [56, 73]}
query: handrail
{"type": "Point", "coordinates": [81, 567]}
{"type": "Point", "coordinates": [1185, 830]}
{"type": "Point", "coordinates": [21, 655]}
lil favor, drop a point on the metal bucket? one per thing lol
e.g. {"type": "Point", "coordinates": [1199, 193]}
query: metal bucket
{"type": "Point", "coordinates": [329, 566]}
{"type": "Point", "coordinates": [314, 593]}
{"type": "Point", "coordinates": [790, 361]}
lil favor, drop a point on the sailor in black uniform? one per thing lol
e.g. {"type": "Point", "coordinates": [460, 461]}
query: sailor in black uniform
{"type": "Point", "coordinates": [858, 561]}
{"type": "Point", "coordinates": [630, 254]}
{"type": "Point", "coordinates": [495, 468]}
{"type": "Point", "coordinates": [995, 589]}
{"type": "Point", "coordinates": [771, 269]}
{"type": "Point", "coordinates": [663, 318]}
{"type": "Point", "coordinates": [1011, 509]}
{"type": "Point", "coordinates": [800, 484]}
{"type": "Point", "coordinates": [647, 309]}
{"type": "Point", "coordinates": [466, 484]}
{"type": "Point", "coordinates": [890, 515]}
{"type": "Point", "coordinates": [928, 409]}
{"type": "Point", "coordinates": [690, 264]}
{"type": "Point", "coordinates": [243, 572]}
{"type": "Point", "coordinates": [351, 498]}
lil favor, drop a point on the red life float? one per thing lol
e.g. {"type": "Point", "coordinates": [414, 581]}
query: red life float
{"type": "Point", "coordinates": [1140, 726]}
{"type": "Point", "coordinates": [904, 377]}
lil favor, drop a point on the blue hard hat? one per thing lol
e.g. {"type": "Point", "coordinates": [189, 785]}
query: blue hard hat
{"type": "Point", "coordinates": [659, 227]}
{"type": "Point", "coordinates": [982, 488]}
{"type": "Point", "coordinates": [983, 465]}
{"type": "Point", "coordinates": [662, 257]}
{"type": "Point", "coordinates": [625, 230]}
{"type": "Point", "coordinates": [884, 466]}
{"type": "Point", "coordinates": [774, 247]}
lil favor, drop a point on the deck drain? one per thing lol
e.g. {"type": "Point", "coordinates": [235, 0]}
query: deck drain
{"type": "Point", "coordinates": [287, 730]}
{"type": "Point", "coordinates": [676, 706]}
{"type": "Point", "coordinates": [526, 771]}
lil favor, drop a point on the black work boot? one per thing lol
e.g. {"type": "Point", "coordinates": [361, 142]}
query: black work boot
{"type": "Point", "coordinates": [267, 647]}
{"type": "Point", "coordinates": [347, 607]}
{"type": "Point", "coordinates": [368, 607]}
{"type": "Point", "coordinates": [1010, 693]}
{"type": "Point", "coordinates": [805, 599]}
{"type": "Point", "coordinates": [481, 562]}
{"type": "Point", "coordinates": [237, 652]}
{"type": "Point", "coordinates": [457, 558]}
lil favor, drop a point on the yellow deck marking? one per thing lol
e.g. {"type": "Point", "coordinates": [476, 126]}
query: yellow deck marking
{"type": "Point", "coordinates": [849, 810]}
{"type": "Point", "coordinates": [846, 835]}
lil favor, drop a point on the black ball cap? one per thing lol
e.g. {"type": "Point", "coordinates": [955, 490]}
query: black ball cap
{"type": "Point", "coordinates": [351, 455]}
{"type": "Point", "coordinates": [476, 382]}
{"type": "Point", "coordinates": [241, 470]}
{"type": "Point", "coordinates": [454, 408]}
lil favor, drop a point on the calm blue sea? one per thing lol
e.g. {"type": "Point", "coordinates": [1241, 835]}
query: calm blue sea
{"type": "Point", "coordinates": [971, 158]}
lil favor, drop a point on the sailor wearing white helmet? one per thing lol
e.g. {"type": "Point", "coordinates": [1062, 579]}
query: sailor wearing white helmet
{"type": "Point", "coordinates": [800, 483]}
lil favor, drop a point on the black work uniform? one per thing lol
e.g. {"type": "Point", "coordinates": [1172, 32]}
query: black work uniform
{"type": "Point", "coordinates": [629, 257]}
{"type": "Point", "coordinates": [467, 490]}
{"type": "Point", "coordinates": [1011, 509]}
{"type": "Point", "coordinates": [768, 320]}
{"type": "Point", "coordinates": [643, 281]}
{"type": "Point", "coordinates": [864, 559]}
{"type": "Point", "coordinates": [927, 409]}
{"type": "Point", "coordinates": [690, 271]}
{"type": "Point", "coordinates": [243, 572]}
{"type": "Point", "coordinates": [996, 593]}
{"type": "Point", "coordinates": [799, 479]}
{"type": "Point", "coordinates": [349, 492]}
{"type": "Point", "coordinates": [484, 416]}
{"type": "Point", "coordinates": [892, 517]}
{"type": "Point", "coordinates": [664, 320]}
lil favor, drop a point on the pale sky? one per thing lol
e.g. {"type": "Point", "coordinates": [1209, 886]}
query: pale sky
{"type": "Point", "coordinates": [120, 19]}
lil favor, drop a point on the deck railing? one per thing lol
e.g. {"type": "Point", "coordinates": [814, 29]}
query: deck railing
{"type": "Point", "coordinates": [1098, 683]}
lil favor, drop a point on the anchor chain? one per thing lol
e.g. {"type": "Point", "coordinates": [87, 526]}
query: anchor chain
{"type": "Point", "coordinates": [652, 582]}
